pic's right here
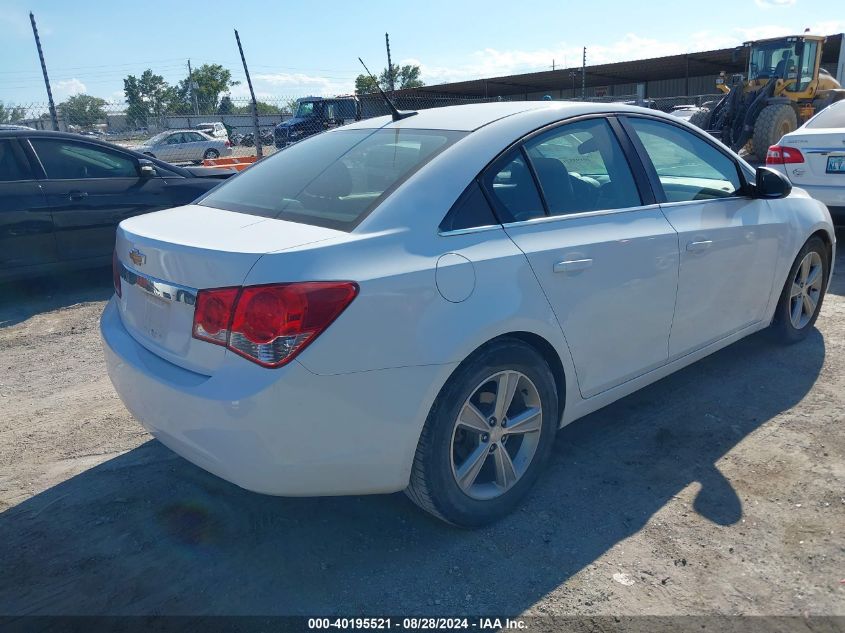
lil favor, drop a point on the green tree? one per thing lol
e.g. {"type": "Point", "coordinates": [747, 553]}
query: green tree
{"type": "Point", "coordinates": [11, 114]}
{"type": "Point", "coordinates": [261, 106]}
{"type": "Point", "coordinates": [210, 81]}
{"type": "Point", "coordinates": [226, 106]}
{"type": "Point", "coordinates": [147, 97]}
{"type": "Point", "coordinates": [82, 110]}
{"type": "Point", "coordinates": [407, 76]}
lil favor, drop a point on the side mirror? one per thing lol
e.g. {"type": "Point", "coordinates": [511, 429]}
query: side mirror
{"type": "Point", "coordinates": [771, 184]}
{"type": "Point", "coordinates": [146, 169]}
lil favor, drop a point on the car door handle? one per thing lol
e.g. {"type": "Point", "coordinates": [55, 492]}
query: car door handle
{"type": "Point", "coordinates": [572, 265]}
{"type": "Point", "coordinates": [77, 195]}
{"type": "Point", "coordinates": [698, 247]}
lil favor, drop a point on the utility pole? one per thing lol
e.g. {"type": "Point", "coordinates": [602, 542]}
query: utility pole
{"type": "Point", "coordinates": [53, 114]}
{"type": "Point", "coordinates": [259, 149]}
{"type": "Point", "coordinates": [191, 89]}
{"type": "Point", "coordinates": [553, 64]}
{"type": "Point", "coordinates": [584, 74]}
{"type": "Point", "coordinates": [389, 63]}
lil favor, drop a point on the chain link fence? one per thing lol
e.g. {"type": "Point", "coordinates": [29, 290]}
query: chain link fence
{"type": "Point", "coordinates": [228, 129]}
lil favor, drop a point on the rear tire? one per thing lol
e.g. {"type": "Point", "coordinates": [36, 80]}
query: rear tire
{"type": "Point", "coordinates": [804, 288]}
{"type": "Point", "coordinates": [447, 444]}
{"type": "Point", "coordinates": [211, 154]}
{"type": "Point", "coordinates": [774, 121]}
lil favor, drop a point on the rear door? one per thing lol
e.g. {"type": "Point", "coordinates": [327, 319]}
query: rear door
{"type": "Point", "coordinates": [90, 189]}
{"type": "Point", "coordinates": [174, 148]}
{"type": "Point", "coordinates": [728, 240]}
{"type": "Point", "coordinates": [602, 251]}
{"type": "Point", "coordinates": [26, 224]}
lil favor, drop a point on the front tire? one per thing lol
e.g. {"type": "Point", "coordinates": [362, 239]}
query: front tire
{"type": "Point", "coordinates": [801, 299]}
{"type": "Point", "coordinates": [487, 436]}
{"type": "Point", "coordinates": [774, 121]}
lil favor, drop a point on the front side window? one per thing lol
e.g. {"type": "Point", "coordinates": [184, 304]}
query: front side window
{"type": "Point", "coordinates": [13, 165]}
{"type": "Point", "coordinates": [688, 167]}
{"type": "Point", "coordinates": [175, 139]}
{"type": "Point", "coordinates": [305, 109]}
{"type": "Point", "coordinates": [581, 167]}
{"type": "Point", "coordinates": [63, 160]}
{"type": "Point", "coordinates": [808, 66]}
{"type": "Point", "coordinates": [332, 179]}
{"type": "Point", "coordinates": [511, 188]}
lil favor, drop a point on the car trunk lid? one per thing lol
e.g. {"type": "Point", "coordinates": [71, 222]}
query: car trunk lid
{"type": "Point", "coordinates": [165, 258]}
{"type": "Point", "coordinates": [824, 153]}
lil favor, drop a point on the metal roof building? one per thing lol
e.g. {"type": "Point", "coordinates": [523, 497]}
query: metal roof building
{"type": "Point", "coordinates": [656, 77]}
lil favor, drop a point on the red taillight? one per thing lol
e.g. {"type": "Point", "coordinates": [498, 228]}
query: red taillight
{"type": "Point", "coordinates": [228, 143]}
{"type": "Point", "coordinates": [115, 273]}
{"type": "Point", "coordinates": [782, 155]}
{"type": "Point", "coordinates": [212, 314]}
{"type": "Point", "coordinates": [271, 324]}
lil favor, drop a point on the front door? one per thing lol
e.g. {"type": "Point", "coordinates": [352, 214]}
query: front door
{"type": "Point", "coordinates": [607, 263]}
{"type": "Point", "coordinates": [728, 240]}
{"type": "Point", "coordinates": [90, 189]}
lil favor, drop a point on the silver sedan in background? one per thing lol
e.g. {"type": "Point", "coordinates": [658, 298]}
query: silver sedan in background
{"type": "Point", "coordinates": [184, 146]}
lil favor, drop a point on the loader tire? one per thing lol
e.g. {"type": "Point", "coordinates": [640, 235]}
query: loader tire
{"type": "Point", "coordinates": [774, 121]}
{"type": "Point", "coordinates": [701, 119]}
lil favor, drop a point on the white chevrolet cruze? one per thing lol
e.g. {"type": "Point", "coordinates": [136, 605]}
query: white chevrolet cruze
{"type": "Point", "coordinates": [420, 304]}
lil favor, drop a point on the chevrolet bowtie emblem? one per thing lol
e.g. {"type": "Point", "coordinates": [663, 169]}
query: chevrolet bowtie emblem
{"type": "Point", "coordinates": [137, 257]}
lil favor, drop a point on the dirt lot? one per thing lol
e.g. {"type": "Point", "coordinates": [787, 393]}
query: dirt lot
{"type": "Point", "coordinates": [720, 489]}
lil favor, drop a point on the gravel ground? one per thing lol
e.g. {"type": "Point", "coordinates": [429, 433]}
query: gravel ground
{"type": "Point", "coordinates": [720, 489]}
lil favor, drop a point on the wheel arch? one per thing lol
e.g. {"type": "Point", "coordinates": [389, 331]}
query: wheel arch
{"type": "Point", "coordinates": [543, 347]}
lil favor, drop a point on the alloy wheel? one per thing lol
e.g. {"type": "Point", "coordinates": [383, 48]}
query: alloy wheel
{"type": "Point", "coordinates": [806, 290]}
{"type": "Point", "coordinates": [496, 435]}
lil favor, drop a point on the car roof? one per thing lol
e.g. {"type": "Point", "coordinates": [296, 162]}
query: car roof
{"type": "Point", "coordinates": [476, 115]}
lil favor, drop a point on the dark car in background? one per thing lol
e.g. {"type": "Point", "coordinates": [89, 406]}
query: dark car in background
{"type": "Point", "coordinates": [314, 115]}
{"type": "Point", "coordinates": [62, 196]}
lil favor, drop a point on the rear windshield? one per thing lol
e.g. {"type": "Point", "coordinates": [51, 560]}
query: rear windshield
{"type": "Point", "coordinates": [832, 116]}
{"type": "Point", "coordinates": [332, 180]}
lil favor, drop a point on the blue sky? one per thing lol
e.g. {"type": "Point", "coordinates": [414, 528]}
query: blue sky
{"type": "Point", "coordinates": [304, 47]}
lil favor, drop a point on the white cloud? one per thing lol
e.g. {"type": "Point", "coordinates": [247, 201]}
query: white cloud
{"type": "Point", "coordinates": [68, 87]}
{"type": "Point", "coordinates": [770, 4]}
{"type": "Point", "coordinates": [269, 86]}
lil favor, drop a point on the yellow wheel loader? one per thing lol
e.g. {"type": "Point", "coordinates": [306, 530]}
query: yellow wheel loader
{"type": "Point", "coordinates": [784, 86]}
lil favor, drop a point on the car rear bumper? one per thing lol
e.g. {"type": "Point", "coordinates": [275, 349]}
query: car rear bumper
{"type": "Point", "coordinates": [282, 431]}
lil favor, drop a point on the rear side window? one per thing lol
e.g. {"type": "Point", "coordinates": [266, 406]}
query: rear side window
{"type": "Point", "coordinates": [470, 211]}
{"type": "Point", "coordinates": [331, 179]}
{"type": "Point", "coordinates": [512, 190]}
{"type": "Point", "coordinates": [581, 167]}
{"type": "Point", "coordinates": [65, 160]}
{"type": "Point", "coordinates": [13, 165]}
{"type": "Point", "coordinates": [688, 167]}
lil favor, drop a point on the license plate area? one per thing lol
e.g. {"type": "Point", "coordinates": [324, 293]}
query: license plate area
{"type": "Point", "coordinates": [155, 318]}
{"type": "Point", "coordinates": [835, 164]}
{"type": "Point", "coordinates": [157, 312]}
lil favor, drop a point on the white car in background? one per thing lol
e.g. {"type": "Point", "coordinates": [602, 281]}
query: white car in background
{"type": "Point", "coordinates": [813, 158]}
{"type": "Point", "coordinates": [214, 130]}
{"type": "Point", "coordinates": [419, 304]}
{"type": "Point", "coordinates": [184, 146]}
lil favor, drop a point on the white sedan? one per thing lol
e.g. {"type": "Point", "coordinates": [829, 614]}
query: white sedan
{"type": "Point", "coordinates": [420, 304]}
{"type": "Point", "coordinates": [185, 146]}
{"type": "Point", "coordinates": [813, 158]}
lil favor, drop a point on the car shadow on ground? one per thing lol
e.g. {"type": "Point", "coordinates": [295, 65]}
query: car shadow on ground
{"type": "Point", "coordinates": [20, 300]}
{"type": "Point", "coordinates": [148, 533]}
